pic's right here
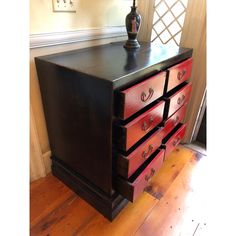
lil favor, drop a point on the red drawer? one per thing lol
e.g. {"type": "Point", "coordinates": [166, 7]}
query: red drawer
{"type": "Point", "coordinates": [140, 95]}
{"type": "Point", "coordinates": [127, 165]}
{"type": "Point", "coordinates": [178, 99]}
{"type": "Point", "coordinates": [139, 127]}
{"type": "Point", "coordinates": [132, 188]}
{"type": "Point", "coordinates": [179, 73]}
{"type": "Point", "coordinates": [174, 138]}
{"type": "Point", "coordinates": [175, 119]}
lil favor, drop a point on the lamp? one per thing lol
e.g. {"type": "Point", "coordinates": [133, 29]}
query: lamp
{"type": "Point", "coordinates": [132, 23]}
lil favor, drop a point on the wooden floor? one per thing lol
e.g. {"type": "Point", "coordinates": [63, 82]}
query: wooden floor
{"type": "Point", "coordinates": [171, 206]}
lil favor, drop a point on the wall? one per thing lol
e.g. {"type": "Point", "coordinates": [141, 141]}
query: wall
{"type": "Point", "coordinates": [89, 14]}
{"type": "Point", "coordinates": [94, 20]}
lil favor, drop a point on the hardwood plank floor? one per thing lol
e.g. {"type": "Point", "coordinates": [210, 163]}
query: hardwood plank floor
{"type": "Point", "coordinates": [171, 207]}
{"type": "Point", "coordinates": [164, 209]}
{"type": "Point", "coordinates": [46, 194]}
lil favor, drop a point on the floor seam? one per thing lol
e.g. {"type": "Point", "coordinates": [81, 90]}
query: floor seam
{"type": "Point", "coordinates": [69, 200]}
{"type": "Point", "coordinates": [146, 216]}
{"type": "Point", "coordinates": [158, 202]}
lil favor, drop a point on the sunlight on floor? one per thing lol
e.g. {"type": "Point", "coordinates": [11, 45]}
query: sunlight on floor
{"type": "Point", "coordinates": [196, 202]}
{"type": "Point", "coordinates": [207, 202]}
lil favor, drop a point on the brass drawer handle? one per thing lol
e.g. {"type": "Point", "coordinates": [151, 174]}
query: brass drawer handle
{"type": "Point", "coordinates": [176, 141]}
{"type": "Point", "coordinates": [145, 154]}
{"type": "Point", "coordinates": [176, 120]}
{"type": "Point", "coordinates": [181, 74]}
{"type": "Point", "coordinates": [144, 96]}
{"type": "Point", "coordinates": [147, 178]}
{"type": "Point", "coordinates": [181, 99]}
{"type": "Point", "coordinates": [146, 127]}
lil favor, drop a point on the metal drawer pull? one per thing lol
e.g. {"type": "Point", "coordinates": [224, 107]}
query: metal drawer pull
{"type": "Point", "coordinates": [181, 74]}
{"type": "Point", "coordinates": [147, 178]}
{"type": "Point", "coordinates": [175, 142]}
{"type": "Point", "coordinates": [146, 127]}
{"type": "Point", "coordinates": [180, 99]}
{"type": "Point", "coordinates": [176, 120]}
{"type": "Point", "coordinates": [146, 154]}
{"type": "Point", "coordinates": [144, 96]}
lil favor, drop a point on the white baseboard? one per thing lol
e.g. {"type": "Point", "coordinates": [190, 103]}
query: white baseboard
{"type": "Point", "coordinates": [57, 38]}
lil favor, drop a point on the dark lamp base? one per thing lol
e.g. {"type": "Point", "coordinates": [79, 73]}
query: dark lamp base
{"type": "Point", "coordinates": [132, 44]}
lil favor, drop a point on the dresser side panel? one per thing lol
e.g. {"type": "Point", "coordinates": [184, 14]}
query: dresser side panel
{"type": "Point", "coordinates": [78, 111]}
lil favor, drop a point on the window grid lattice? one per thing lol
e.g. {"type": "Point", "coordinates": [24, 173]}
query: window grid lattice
{"type": "Point", "coordinates": [168, 21]}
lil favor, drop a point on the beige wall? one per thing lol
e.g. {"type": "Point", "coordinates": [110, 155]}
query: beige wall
{"type": "Point", "coordinates": [89, 14]}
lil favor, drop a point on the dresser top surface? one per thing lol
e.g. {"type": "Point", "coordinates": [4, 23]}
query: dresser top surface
{"type": "Point", "coordinates": [112, 61]}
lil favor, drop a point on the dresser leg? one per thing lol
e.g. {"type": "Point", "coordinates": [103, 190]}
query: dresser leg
{"type": "Point", "coordinates": [106, 205]}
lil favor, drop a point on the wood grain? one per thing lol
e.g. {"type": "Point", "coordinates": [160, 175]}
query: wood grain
{"type": "Point", "coordinates": [132, 132]}
{"type": "Point", "coordinates": [125, 223]}
{"type": "Point", "coordinates": [67, 219]}
{"type": "Point", "coordinates": [179, 73]}
{"type": "Point", "coordinates": [175, 139]}
{"type": "Point", "coordinates": [140, 95]}
{"type": "Point", "coordinates": [169, 171]}
{"type": "Point", "coordinates": [171, 207]}
{"type": "Point", "coordinates": [127, 165]}
{"type": "Point", "coordinates": [178, 99]}
{"type": "Point", "coordinates": [57, 211]}
{"type": "Point", "coordinates": [46, 194]}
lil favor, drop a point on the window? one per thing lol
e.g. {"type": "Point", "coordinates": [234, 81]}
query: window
{"type": "Point", "coordinates": [168, 21]}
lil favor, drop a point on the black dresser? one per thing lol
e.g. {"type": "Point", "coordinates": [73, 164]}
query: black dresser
{"type": "Point", "coordinates": [113, 116]}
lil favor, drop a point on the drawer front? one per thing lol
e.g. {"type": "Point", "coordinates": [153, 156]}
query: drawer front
{"type": "Point", "coordinates": [142, 94]}
{"type": "Point", "coordinates": [175, 139]}
{"type": "Point", "coordinates": [139, 127]}
{"type": "Point", "coordinates": [179, 73]}
{"type": "Point", "coordinates": [133, 188]}
{"type": "Point", "coordinates": [127, 165]}
{"type": "Point", "coordinates": [178, 99]}
{"type": "Point", "coordinates": [176, 118]}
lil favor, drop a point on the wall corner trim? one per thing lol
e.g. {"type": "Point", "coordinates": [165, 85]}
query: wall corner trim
{"type": "Point", "coordinates": [65, 37]}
